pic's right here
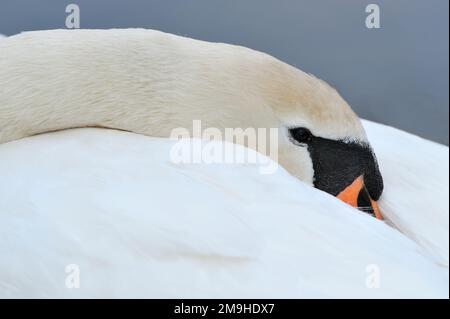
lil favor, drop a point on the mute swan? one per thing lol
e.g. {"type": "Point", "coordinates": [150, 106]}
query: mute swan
{"type": "Point", "coordinates": [151, 82]}
{"type": "Point", "coordinates": [103, 200]}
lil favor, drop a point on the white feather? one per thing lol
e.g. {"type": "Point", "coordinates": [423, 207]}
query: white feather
{"type": "Point", "coordinates": [416, 197]}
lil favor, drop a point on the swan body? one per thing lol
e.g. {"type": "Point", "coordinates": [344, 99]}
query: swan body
{"type": "Point", "coordinates": [137, 225]}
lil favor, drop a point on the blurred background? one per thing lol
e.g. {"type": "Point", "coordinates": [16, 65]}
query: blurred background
{"type": "Point", "coordinates": [397, 74]}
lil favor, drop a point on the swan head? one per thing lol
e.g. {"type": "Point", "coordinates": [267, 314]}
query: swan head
{"type": "Point", "coordinates": [322, 141]}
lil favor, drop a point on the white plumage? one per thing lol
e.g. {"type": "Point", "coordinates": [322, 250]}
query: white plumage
{"type": "Point", "coordinates": [138, 226]}
{"type": "Point", "coordinates": [150, 82]}
{"type": "Point", "coordinates": [416, 199]}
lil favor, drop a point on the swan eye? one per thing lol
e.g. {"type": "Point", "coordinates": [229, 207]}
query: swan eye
{"type": "Point", "coordinates": [301, 135]}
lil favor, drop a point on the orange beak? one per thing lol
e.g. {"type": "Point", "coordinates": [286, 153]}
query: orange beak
{"type": "Point", "coordinates": [356, 195]}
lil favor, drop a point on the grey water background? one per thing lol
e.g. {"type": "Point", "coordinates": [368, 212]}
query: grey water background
{"type": "Point", "coordinates": [397, 75]}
